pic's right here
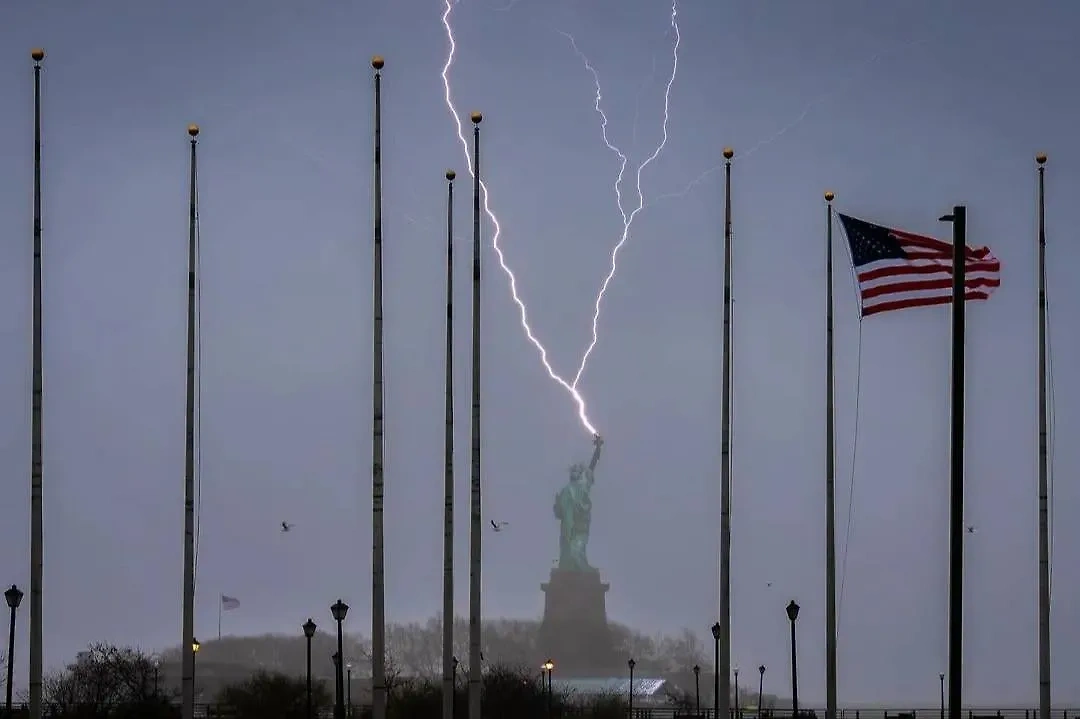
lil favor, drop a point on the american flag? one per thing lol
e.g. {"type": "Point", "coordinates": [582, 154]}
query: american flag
{"type": "Point", "coordinates": [898, 269]}
{"type": "Point", "coordinates": [229, 603]}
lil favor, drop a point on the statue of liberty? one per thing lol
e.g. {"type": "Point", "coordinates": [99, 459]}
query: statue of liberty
{"type": "Point", "coordinates": [573, 509]}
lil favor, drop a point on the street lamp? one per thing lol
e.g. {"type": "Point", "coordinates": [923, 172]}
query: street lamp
{"type": "Point", "coordinates": [716, 669]}
{"type": "Point", "coordinates": [338, 610]}
{"type": "Point", "coordinates": [793, 614]}
{"type": "Point", "coordinates": [631, 664]}
{"type": "Point", "coordinates": [309, 631]}
{"type": "Point", "coordinates": [760, 689]}
{"type": "Point", "coordinates": [738, 713]}
{"type": "Point", "coordinates": [941, 678]}
{"type": "Point", "coordinates": [348, 689]}
{"type": "Point", "coordinates": [157, 670]}
{"type": "Point", "coordinates": [548, 666]}
{"type": "Point", "coordinates": [697, 690]}
{"type": "Point", "coordinates": [13, 597]}
{"type": "Point", "coordinates": [195, 646]}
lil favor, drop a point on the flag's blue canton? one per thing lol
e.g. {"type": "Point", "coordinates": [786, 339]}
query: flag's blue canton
{"type": "Point", "coordinates": [870, 242]}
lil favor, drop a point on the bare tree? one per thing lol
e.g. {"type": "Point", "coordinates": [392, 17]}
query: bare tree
{"type": "Point", "coordinates": [104, 676]}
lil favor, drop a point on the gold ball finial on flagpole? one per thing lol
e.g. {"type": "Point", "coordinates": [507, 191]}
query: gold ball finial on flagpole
{"type": "Point", "coordinates": [829, 196]}
{"type": "Point", "coordinates": [450, 175]}
{"type": "Point", "coordinates": [38, 54]}
{"type": "Point", "coordinates": [728, 153]}
{"type": "Point", "coordinates": [1041, 158]}
{"type": "Point", "coordinates": [193, 130]}
{"type": "Point", "coordinates": [476, 117]}
{"type": "Point", "coordinates": [377, 62]}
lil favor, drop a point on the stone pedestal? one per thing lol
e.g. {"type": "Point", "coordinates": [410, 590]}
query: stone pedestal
{"type": "Point", "coordinates": [574, 633]}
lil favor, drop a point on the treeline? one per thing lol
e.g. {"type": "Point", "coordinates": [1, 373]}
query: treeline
{"type": "Point", "coordinates": [415, 649]}
{"type": "Point", "coordinates": [264, 676]}
{"type": "Point", "coordinates": [108, 682]}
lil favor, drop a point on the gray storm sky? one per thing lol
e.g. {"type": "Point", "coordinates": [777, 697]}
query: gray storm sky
{"type": "Point", "coordinates": [903, 109]}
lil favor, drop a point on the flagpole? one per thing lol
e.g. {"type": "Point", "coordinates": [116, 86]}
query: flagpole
{"type": "Point", "coordinates": [476, 528]}
{"type": "Point", "coordinates": [378, 583]}
{"type": "Point", "coordinates": [448, 472]}
{"type": "Point", "coordinates": [221, 601]}
{"type": "Point", "coordinates": [956, 513]}
{"type": "Point", "coordinates": [187, 676]}
{"type": "Point", "coordinates": [1044, 531]}
{"type": "Point", "coordinates": [830, 475]}
{"type": "Point", "coordinates": [36, 460]}
{"type": "Point", "coordinates": [723, 671]}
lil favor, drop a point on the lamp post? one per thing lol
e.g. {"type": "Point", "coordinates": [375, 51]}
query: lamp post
{"type": "Point", "coordinates": [716, 669]}
{"type": "Point", "coordinates": [697, 691]}
{"type": "Point", "coordinates": [941, 678]}
{"type": "Point", "coordinates": [157, 670]}
{"type": "Point", "coordinates": [195, 647]}
{"type": "Point", "coordinates": [545, 681]}
{"type": "Point", "coordinates": [13, 597]}
{"type": "Point", "coordinates": [760, 689]}
{"type": "Point", "coordinates": [738, 712]}
{"type": "Point", "coordinates": [348, 689]}
{"type": "Point", "coordinates": [309, 632]}
{"type": "Point", "coordinates": [631, 664]}
{"type": "Point", "coordinates": [338, 610]}
{"type": "Point", "coordinates": [793, 614]}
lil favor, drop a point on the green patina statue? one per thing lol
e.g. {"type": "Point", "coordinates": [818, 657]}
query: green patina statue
{"type": "Point", "coordinates": [573, 509]}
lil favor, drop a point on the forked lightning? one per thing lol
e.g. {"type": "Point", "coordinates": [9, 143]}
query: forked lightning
{"type": "Point", "coordinates": [627, 218]}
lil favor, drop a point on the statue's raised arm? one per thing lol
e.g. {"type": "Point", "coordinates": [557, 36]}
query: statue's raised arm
{"type": "Point", "coordinates": [598, 442]}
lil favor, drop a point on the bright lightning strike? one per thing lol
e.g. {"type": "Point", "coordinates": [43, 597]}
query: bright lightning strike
{"type": "Point", "coordinates": [628, 219]}
{"type": "Point", "coordinates": [578, 399]}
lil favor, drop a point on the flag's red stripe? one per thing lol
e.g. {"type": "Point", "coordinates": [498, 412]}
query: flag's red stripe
{"type": "Point", "coordinates": [932, 243]}
{"type": "Point", "coordinates": [903, 268]}
{"type": "Point", "coordinates": [922, 302]}
{"type": "Point", "coordinates": [922, 285]}
{"type": "Point", "coordinates": [919, 254]}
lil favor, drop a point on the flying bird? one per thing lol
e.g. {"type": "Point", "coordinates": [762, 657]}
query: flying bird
{"type": "Point", "coordinates": [285, 526]}
{"type": "Point", "coordinates": [971, 529]}
{"type": "Point", "coordinates": [497, 526]}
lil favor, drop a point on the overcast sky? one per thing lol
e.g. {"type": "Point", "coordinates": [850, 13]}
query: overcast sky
{"type": "Point", "coordinates": [903, 109]}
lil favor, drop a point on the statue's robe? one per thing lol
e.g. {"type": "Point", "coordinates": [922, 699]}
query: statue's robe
{"type": "Point", "coordinates": [573, 509]}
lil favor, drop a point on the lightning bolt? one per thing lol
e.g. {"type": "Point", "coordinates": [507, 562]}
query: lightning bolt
{"type": "Point", "coordinates": [627, 218]}
{"type": "Point", "coordinates": [523, 311]}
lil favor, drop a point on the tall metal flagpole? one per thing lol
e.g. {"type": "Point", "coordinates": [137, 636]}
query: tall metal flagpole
{"type": "Point", "coordinates": [378, 582]}
{"type": "Point", "coordinates": [187, 674]}
{"type": "Point", "coordinates": [724, 670]}
{"type": "Point", "coordinates": [448, 471]}
{"type": "Point", "coordinates": [36, 524]}
{"type": "Point", "coordinates": [830, 476]}
{"type": "Point", "coordinates": [475, 526]}
{"type": "Point", "coordinates": [956, 503]}
{"type": "Point", "coordinates": [1044, 531]}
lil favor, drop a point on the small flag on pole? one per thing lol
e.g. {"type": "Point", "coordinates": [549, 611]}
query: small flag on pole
{"type": "Point", "coordinates": [898, 269]}
{"type": "Point", "coordinates": [228, 603]}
